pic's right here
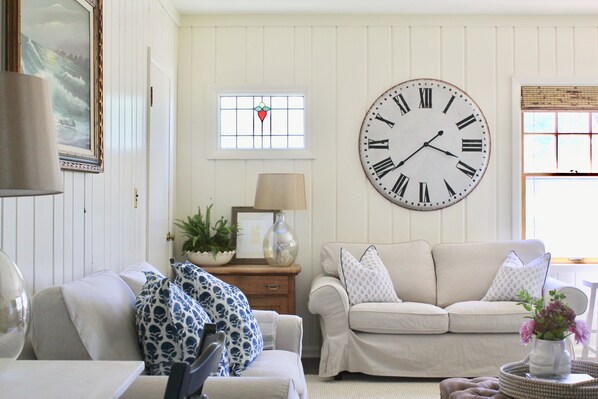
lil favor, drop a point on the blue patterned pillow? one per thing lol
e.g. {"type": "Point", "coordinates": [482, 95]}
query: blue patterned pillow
{"type": "Point", "coordinates": [169, 326]}
{"type": "Point", "coordinates": [229, 309]}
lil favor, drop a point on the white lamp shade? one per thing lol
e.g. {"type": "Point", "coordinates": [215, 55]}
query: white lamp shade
{"type": "Point", "coordinates": [285, 191]}
{"type": "Point", "coordinates": [28, 151]}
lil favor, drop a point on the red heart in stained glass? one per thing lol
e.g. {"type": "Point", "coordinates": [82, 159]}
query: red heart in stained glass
{"type": "Point", "coordinates": [262, 114]}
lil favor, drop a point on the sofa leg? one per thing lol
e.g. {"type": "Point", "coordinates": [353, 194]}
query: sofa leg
{"type": "Point", "coordinates": [339, 376]}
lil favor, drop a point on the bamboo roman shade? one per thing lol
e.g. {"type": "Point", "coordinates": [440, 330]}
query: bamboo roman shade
{"type": "Point", "coordinates": [559, 97]}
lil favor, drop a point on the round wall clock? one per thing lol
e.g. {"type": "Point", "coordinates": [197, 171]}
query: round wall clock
{"type": "Point", "coordinates": [424, 144]}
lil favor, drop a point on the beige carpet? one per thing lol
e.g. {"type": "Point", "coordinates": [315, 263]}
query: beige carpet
{"type": "Point", "coordinates": [362, 386]}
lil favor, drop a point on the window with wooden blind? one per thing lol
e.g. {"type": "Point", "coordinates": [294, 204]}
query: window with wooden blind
{"type": "Point", "coordinates": [560, 170]}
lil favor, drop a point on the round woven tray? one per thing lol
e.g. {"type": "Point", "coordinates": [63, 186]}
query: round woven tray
{"type": "Point", "coordinates": [514, 383]}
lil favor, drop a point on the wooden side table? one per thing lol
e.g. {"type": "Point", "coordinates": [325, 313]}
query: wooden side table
{"type": "Point", "coordinates": [266, 287]}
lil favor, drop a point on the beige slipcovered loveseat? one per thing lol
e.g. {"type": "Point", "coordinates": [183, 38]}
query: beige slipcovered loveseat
{"type": "Point", "coordinates": [93, 318]}
{"type": "Point", "coordinates": [441, 329]}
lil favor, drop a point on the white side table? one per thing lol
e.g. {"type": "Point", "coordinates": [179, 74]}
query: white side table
{"type": "Point", "coordinates": [59, 379]}
{"type": "Point", "coordinates": [590, 318]}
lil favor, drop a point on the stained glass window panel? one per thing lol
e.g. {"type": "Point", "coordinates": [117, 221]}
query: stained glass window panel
{"type": "Point", "coordinates": [295, 122]}
{"type": "Point", "coordinates": [262, 122]}
{"type": "Point", "coordinates": [228, 124]}
{"type": "Point", "coordinates": [296, 142]}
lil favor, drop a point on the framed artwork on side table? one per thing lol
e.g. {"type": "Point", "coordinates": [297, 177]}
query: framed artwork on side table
{"type": "Point", "coordinates": [252, 225]}
{"type": "Point", "coordinates": [61, 41]}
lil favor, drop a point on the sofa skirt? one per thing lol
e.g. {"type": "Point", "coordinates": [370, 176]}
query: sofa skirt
{"type": "Point", "coordinates": [433, 356]}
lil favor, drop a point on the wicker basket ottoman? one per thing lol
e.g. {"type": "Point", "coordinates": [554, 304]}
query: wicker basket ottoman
{"type": "Point", "coordinates": [470, 388]}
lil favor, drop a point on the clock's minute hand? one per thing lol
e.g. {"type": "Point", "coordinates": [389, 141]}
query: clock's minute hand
{"type": "Point", "coordinates": [426, 144]}
{"type": "Point", "coordinates": [443, 151]}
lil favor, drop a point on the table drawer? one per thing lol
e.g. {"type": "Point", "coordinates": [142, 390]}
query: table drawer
{"type": "Point", "coordinates": [260, 285]}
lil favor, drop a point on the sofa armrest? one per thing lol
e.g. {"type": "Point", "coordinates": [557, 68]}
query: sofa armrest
{"type": "Point", "coordinates": [153, 387]}
{"type": "Point", "coordinates": [289, 333]}
{"type": "Point", "coordinates": [328, 298]}
{"type": "Point", "coordinates": [576, 298]}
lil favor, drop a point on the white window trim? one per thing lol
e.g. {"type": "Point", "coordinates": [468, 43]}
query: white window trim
{"type": "Point", "coordinates": [516, 154]}
{"type": "Point", "coordinates": [212, 142]}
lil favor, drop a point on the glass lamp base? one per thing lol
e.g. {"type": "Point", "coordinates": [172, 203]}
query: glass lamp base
{"type": "Point", "coordinates": [14, 311]}
{"type": "Point", "coordinates": [280, 244]}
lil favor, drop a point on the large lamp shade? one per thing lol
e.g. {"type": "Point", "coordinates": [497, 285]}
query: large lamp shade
{"type": "Point", "coordinates": [28, 150]}
{"type": "Point", "coordinates": [28, 166]}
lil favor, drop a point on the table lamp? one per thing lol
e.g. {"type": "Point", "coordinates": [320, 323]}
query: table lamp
{"type": "Point", "coordinates": [280, 191]}
{"type": "Point", "coordinates": [28, 166]}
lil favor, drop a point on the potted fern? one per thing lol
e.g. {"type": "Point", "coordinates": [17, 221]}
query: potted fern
{"type": "Point", "coordinates": [207, 245]}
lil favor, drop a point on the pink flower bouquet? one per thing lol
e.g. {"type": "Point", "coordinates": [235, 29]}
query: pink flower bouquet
{"type": "Point", "coordinates": [553, 322]}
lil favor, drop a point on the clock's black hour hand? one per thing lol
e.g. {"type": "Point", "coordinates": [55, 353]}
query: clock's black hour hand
{"type": "Point", "coordinates": [426, 144]}
{"type": "Point", "coordinates": [443, 151]}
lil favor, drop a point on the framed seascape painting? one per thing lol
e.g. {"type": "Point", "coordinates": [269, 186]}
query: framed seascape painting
{"type": "Point", "coordinates": [252, 225]}
{"type": "Point", "coordinates": [61, 41]}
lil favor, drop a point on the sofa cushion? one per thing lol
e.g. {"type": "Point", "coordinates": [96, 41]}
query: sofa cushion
{"type": "Point", "coordinates": [398, 318]}
{"type": "Point", "coordinates": [229, 309]}
{"type": "Point", "coordinates": [366, 279]}
{"type": "Point", "coordinates": [409, 265]}
{"type": "Point", "coordinates": [277, 363]}
{"type": "Point", "coordinates": [94, 314]}
{"type": "Point", "coordinates": [458, 265]}
{"type": "Point", "coordinates": [514, 276]}
{"type": "Point", "coordinates": [134, 275]}
{"type": "Point", "coordinates": [169, 326]}
{"type": "Point", "coordinates": [485, 317]}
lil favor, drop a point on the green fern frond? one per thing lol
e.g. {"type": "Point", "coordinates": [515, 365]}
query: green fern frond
{"type": "Point", "coordinates": [198, 231]}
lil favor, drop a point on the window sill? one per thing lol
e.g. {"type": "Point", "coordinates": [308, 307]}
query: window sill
{"type": "Point", "coordinates": [261, 154]}
{"type": "Point", "coordinates": [573, 267]}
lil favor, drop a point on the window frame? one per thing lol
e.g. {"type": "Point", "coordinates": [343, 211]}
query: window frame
{"type": "Point", "coordinates": [213, 137]}
{"type": "Point", "coordinates": [519, 177]}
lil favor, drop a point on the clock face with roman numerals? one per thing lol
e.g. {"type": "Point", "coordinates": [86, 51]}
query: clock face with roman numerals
{"type": "Point", "coordinates": [424, 144]}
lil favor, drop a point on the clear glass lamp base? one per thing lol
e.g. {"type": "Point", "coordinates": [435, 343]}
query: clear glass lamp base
{"type": "Point", "coordinates": [280, 244]}
{"type": "Point", "coordinates": [14, 311]}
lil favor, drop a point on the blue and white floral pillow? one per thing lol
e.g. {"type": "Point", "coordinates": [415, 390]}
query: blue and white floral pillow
{"type": "Point", "coordinates": [229, 309]}
{"type": "Point", "coordinates": [169, 326]}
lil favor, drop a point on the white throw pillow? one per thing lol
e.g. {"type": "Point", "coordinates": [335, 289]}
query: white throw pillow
{"type": "Point", "coordinates": [366, 280]}
{"type": "Point", "coordinates": [134, 275]}
{"type": "Point", "coordinates": [513, 276]}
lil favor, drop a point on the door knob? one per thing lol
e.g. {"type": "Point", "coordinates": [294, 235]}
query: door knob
{"type": "Point", "coordinates": [169, 236]}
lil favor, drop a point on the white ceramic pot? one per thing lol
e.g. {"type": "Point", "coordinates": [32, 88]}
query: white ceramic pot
{"type": "Point", "coordinates": [549, 358]}
{"type": "Point", "coordinates": [207, 259]}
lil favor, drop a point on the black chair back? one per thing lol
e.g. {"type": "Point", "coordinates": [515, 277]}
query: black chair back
{"type": "Point", "coordinates": [186, 380]}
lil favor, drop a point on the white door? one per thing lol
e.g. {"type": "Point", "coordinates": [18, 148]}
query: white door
{"type": "Point", "coordinates": [159, 160]}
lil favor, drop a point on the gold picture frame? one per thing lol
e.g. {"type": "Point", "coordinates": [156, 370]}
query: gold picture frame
{"type": "Point", "coordinates": [69, 33]}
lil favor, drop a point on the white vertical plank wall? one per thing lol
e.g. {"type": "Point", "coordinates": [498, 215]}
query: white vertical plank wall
{"type": "Point", "coordinates": [348, 61]}
{"type": "Point", "coordinates": [93, 224]}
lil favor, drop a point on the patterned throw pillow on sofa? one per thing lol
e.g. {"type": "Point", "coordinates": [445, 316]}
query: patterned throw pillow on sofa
{"type": "Point", "coordinates": [366, 280]}
{"type": "Point", "coordinates": [169, 326]}
{"type": "Point", "coordinates": [229, 309]}
{"type": "Point", "coordinates": [513, 276]}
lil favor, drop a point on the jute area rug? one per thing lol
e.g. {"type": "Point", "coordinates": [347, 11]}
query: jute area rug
{"type": "Point", "coordinates": [359, 386]}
